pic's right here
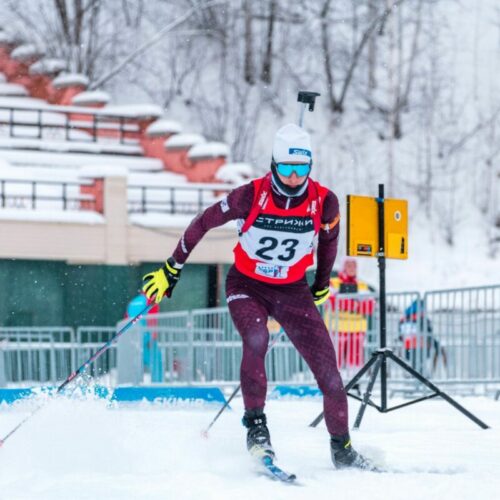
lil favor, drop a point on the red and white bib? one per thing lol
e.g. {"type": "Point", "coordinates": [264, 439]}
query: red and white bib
{"type": "Point", "coordinates": [276, 245]}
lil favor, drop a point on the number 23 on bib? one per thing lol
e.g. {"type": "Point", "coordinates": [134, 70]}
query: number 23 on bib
{"type": "Point", "coordinates": [276, 245]}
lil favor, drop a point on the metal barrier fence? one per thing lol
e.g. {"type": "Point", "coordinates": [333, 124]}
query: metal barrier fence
{"type": "Point", "coordinates": [88, 340]}
{"type": "Point", "coordinates": [463, 328]}
{"type": "Point", "coordinates": [36, 354]}
{"type": "Point", "coordinates": [450, 336]}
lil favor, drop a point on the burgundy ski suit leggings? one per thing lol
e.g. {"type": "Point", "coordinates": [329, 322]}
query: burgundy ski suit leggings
{"type": "Point", "coordinates": [250, 303]}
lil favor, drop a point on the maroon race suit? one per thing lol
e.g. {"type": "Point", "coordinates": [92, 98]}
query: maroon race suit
{"type": "Point", "coordinates": [252, 300]}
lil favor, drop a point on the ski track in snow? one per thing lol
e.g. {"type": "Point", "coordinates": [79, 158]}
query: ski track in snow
{"type": "Point", "coordinates": [86, 450]}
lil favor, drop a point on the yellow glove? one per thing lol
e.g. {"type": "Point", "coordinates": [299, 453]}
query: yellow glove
{"type": "Point", "coordinates": [161, 282]}
{"type": "Point", "coordinates": [320, 296]}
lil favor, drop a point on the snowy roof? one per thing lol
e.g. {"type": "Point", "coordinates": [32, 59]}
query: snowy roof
{"type": "Point", "coordinates": [244, 169]}
{"type": "Point", "coordinates": [100, 171]}
{"type": "Point", "coordinates": [63, 146]}
{"type": "Point", "coordinates": [209, 150]}
{"type": "Point", "coordinates": [6, 37]}
{"type": "Point", "coordinates": [26, 51]}
{"type": "Point", "coordinates": [136, 110]}
{"type": "Point", "coordinates": [234, 173]}
{"type": "Point", "coordinates": [136, 178]}
{"type": "Point", "coordinates": [162, 127]}
{"type": "Point", "coordinates": [76, 160]}
{"type": "Point", "coordinates": [47, 66]}
{"type": "Point", "coordinates": [168, 179]}
{"type": "Point", "coordinates": [69, 79]}
{"type": "Point", "coordinates": [184, 141]}
{"type": "Point", "coordinates": [51, 215]}
{"type": "Point", "coordinates": [14, 89]}
{"type": "Point", "coordinates": [92, 97]}
{"type": "Point", "coordinates": [37, 173]}
{"type": "Point", "coordinates": [22, 102]}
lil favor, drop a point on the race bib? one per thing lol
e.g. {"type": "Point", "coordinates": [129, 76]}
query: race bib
{"type": "Point", "coordinates": [279, 241]}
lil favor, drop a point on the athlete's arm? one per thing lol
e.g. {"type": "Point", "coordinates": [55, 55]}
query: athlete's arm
{"type": "Point", "coordinates": [328, 239]}
{"type": "Point", "coordinates": [236, 205]}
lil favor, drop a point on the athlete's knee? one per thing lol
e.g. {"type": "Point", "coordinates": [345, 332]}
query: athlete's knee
{"type": "Point", "coordinates": [330, 383]}
{"type": "Point", "coordinates": [256, 342]}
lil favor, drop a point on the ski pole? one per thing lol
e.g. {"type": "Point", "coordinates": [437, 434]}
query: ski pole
{"type": "Point", "coordinates": [226, 404]}
{"type": "Point", "coordinates": [82, 368]}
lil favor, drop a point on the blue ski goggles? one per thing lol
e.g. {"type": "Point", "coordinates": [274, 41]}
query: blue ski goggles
{"type": "Point", "coordinates": [286, 169]}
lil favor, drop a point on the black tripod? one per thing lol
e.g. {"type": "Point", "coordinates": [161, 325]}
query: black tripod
{"type": "Point", "coordinates": [383, 353]}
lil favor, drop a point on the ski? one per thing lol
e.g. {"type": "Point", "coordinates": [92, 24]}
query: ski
{"type": "Point", "coordinates": [437, 471]}
{"type": "Point", "coordinates": [391, 470]}
{"type": "Point", "coordinates": [265, 457]}
{"type": "Point", "coordinates": [276, 472]}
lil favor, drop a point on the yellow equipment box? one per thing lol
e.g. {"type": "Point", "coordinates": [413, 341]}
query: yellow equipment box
{"type": "Point", "coordinates": [362, 227]}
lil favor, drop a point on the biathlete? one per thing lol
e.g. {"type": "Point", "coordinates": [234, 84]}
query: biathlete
{"type": "Point", "coordinates": [281, 218]}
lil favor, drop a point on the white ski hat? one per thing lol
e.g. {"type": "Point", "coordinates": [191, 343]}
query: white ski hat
{"type": "Point", "coordinates": [292, 143]}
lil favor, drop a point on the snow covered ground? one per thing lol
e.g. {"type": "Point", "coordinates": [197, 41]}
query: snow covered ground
{"type": "Point", "coordinates": [85, 450]}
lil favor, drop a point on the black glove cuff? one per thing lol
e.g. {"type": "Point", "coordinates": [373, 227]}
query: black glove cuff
{"type": "Point", "coordinates": [315, 288]}
{"type": "Point", "coordinates": [172, 263]}
{"type": "Point", "coordinates": [172, 272]}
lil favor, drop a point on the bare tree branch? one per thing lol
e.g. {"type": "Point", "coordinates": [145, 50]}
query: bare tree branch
{"type": "Point", "coordinates": [152, 41]}
{"type": "Point", "coordinates": [356, 56]}
{"type": "Point", "coordinates": [462, 141]}
{"type": "Point", "coordinates": [249, 66]}
{"type": "Point", "coordinates": [266, 73]}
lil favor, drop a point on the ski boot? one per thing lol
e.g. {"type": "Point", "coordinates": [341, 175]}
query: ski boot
{"type": "Point", "coordinates": [258, 437]}
{"type": "Point", "coordinates": [345, 456]}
